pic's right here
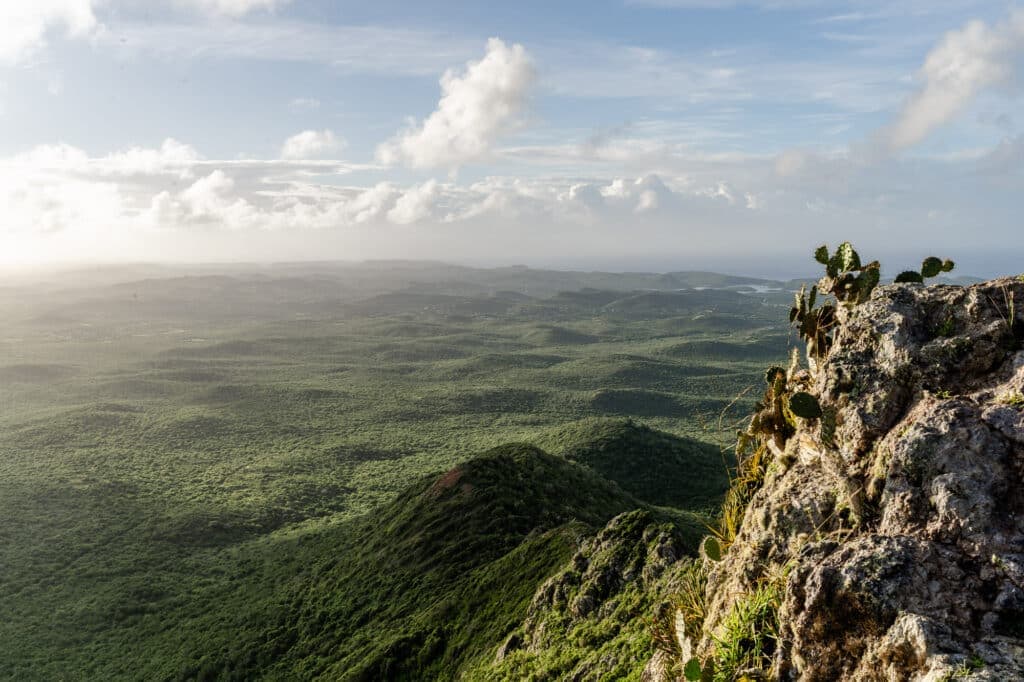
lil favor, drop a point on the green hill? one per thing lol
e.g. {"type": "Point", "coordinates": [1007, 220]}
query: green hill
{"type": "Point", "coordinates": [657, 467]}
{"type": "Point", "coordinates": [427, 585]}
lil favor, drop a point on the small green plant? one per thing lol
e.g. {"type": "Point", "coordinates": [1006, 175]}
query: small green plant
{"type": "Point", "coordinates": [1012, 398]}
{"type": "Point", "coordinates": [676, 622]}
{"type": "Point", "coordinates": [964, 669]}
{"type": "Point", "coordinates": [749, 636]}
{"type": "Point", "coordinates": [930, 267]}
{"type": "Point", "coordinates": [689, 600]}
{"type": "Point", "coordinates": [947, 328]}
{"type": "Point", "coordinates": [1014, 326]}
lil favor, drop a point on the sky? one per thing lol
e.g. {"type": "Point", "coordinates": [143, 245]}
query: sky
{"type": "Point", "coordinates": [730, 135]}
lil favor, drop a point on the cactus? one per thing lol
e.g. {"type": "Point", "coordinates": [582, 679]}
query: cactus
{"type": "Point", "coordinates": [845, 277]}
{"type": "Point", "coordinates": [804, 405]}
{"type": "Point", "coordinates": [930, 267]}
{"type": "Point", "coordinates": [848, 280]}
{"type": "Point", "coordinates": [692, 671]}
{"type": "Point", "coordinates": [909, 276]}
{"type": "Point", "coordinates": [821, 254]}
{"type": "Point", "coordinates": [712, 549]}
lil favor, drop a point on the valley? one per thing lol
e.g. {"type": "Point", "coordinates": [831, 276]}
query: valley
{"type": "Point", "coordinates": [208, 472]}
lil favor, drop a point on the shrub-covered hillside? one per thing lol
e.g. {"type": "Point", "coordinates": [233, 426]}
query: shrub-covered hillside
{"type": "Point", "coordinates": [424, 588]}
{"type": "Point", "coordinates": [183, 454]}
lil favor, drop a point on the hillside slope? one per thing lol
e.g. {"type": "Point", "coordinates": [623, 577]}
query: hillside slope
{"type": "Point", "coordinates": [592, 619]}
{"type": "Point", "coordinates": [425, 588]}
{"type": "Point", "coordinates": [430, 580]}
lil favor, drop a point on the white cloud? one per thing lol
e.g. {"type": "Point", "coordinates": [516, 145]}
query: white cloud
{"type": "Point", "coordinates": [963, 64]}
{"type": "Point", "coordinates": [719, 191]}
{"type": "Point", "coordinates": [730, 4]}
{"type": "Point", "coordinates": [26, 24]}
{"type": "Point", "coordinates": [231, 8]}
{"type": "Point", "coordinates": [311, 144]}
{"type": "Point", "coordinates": [304, 103]}
{"type": "Point", "coordinates": [40, 205]}
{"type": "Point", "coordinates": [172, 157]}
{"type": "Point", "coordinates": [207, 195]}
{"type": "Point", "coordinates": [372, 203]}
{"type": "Point", "coordinates": [415, 204]}
{"type": "Point", "coordinates": [345, 48]}
{"type": "Point", "coordinates": [475, 109]}
{"type": "Point", "coordinates": [172, 196]}
{"type": "Point", "coordinates": [645, 194]}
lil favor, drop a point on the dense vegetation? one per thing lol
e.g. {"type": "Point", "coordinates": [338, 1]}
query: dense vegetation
{"type": "Point", "coordinates": [216, 473]}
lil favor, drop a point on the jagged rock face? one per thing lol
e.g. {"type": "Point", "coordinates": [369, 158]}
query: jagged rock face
{"type": "Point", "coordinates": [586, 622]}
{"type": "Point", "coordinates": [899, 547]}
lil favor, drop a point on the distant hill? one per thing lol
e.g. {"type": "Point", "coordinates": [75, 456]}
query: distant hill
{"type": "Point", "coordinates": [657, 467]}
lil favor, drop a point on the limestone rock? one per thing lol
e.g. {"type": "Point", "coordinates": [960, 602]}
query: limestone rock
{"type": "Point", "coordinates": [902, 544]}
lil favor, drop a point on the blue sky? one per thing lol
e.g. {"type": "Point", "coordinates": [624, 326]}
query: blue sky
{"type": "Point", "coordinates": [661, 134]}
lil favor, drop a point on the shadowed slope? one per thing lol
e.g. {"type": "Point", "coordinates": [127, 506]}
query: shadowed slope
{"type": "Point", "coordinates": [657, 467]}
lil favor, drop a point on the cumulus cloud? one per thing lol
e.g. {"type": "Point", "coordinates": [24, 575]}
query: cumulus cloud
{"type": "Point", "coordinates": [311, 144]}
{"type": "Point", "coordinates": [964, 63]}
{"type": "Point", "coordinates": [475, 109]}
{"type": "Point", "coordinates": [26, 24]}
{"type": "Point", "coordinates": [646, 193]}
{"type": "Point", "coordinates": [415, 205]}
{"type": "Point", "coordinates": [370, 204]}
{"type": "Point", "coordinates": [208, 195]}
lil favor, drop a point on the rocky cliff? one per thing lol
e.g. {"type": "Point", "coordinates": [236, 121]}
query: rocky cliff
{"type": "Point", "coordinates": [590, 620]}
{"type": "Point", "coordinates": [890, 544]}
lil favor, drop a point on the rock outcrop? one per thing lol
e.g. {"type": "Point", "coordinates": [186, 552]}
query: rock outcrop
{"type": "Point", "coordinates": [589, 621]}
{"type": "Point", "coordinates": [897, 549]}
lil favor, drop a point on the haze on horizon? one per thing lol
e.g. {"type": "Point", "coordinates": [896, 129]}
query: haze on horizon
{"type": "Point", "coordinates": [727, 135]}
